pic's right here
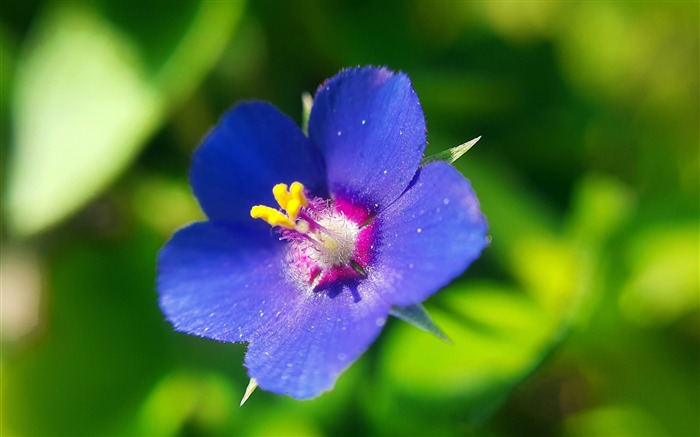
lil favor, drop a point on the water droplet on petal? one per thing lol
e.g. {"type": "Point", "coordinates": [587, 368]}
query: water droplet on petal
{"type": "Point", "coordinates": [446, 201]}
{"type": "Point", "coordinates": [340, 133]}
{"type": "Point", "coordinates": [410, 266]}
{"type": "Point", "coordinates": [419, 230]}
{"type": "Point", "coordinates": [364, 121]}
{"type": "Point", "coordinates": [380, 321]}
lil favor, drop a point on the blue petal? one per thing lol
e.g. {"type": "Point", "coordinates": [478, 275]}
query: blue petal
{"type": "Point", "coordinates": [221, 282]}
{"type": "Point", "coordinates": [253, 148]}
{"type": "Point", "coordinates": [229, 284]}
{"type": "Point", "coordinates": [315, 338]}
{"type": "Point", "coordinates": [428, 236]}
{"type": "Point", "coordinates": [369, 124]}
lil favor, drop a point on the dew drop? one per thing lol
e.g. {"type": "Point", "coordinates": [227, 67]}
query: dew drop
{"type": "Point", "coordinates": [419, 230]}
{"type": "Point", "coordinates": [364, 121]}
{"type": "Point", "coordinates": [410, 266]}
{"type": "Point", "coordinates": [380, 321]}
{"type": "Point", "coordinates": [400, 132]}
{"type": "Point", "coordinates": [446, 201]}
{"type": "Point", "coordinates": [384, 171]}
{"type": "Point", "coordinates": [289, 365]}
{"type": "Point", "coordinates": [262, 313]}
{"type": "Point", "coordinates": [340, 133]}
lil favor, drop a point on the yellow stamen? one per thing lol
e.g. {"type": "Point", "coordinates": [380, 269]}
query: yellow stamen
{"type": "Point", "coordinates": [296, 191]}
{"type": "Point", "coordinates": [290, 199]}
{"type": "Point", "coordinates": [293, 207]}
{"type": "Point", "coordinates": [281, 194]}
{"type": "Point", "coordinates": [271, 216]}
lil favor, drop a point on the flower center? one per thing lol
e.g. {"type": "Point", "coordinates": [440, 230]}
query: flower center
{"type": "Point", "coordinates": [325, 245]}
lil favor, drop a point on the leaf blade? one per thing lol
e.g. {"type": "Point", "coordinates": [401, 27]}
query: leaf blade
{"type": "Point", "coordinates": [417, 316]}
{"type": "Point", "coordinates": [451, 155]}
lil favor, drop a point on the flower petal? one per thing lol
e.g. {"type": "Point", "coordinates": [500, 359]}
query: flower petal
{"type": "Point", "coordinates": [315, 339]}
{"type": "Point", "coordinates": [369, 124]}
{"type": "Point", "coordinates": [221, 282]}
{"type": "Point", "coordinates": [428, 236]}
{"type": "Point", "coordinates": [229, 284]}
{"type": "Point", "coordinates": [253, 148]}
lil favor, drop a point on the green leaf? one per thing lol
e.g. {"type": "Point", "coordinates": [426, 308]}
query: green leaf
{"type": "Point", "coordinates": [500, 335]}
{"type": "Point", "coordinates": [663, 282]}
{"type": "Point", "coordinates": [182, 398]}
{"type": "Point", "coordinates": [417, 316]}
{"type": "Point", "coordinates": [85, 104]}
{"type": "Point", "coordinates": [82, 108]}
{"type": "Point", "coordinates": [102, 320]}
{"type": "Point", "coordinates": [307, 101]}
{"type": "Point", "coordinates": [451, 155]}
{"type": "Point", "coordinates": [8, 58]}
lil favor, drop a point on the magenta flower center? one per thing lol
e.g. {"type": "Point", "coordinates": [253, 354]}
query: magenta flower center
{"type": "Point", "coordinates": [327, 241]}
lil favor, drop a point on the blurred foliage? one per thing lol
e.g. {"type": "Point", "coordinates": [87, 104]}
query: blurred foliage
{"type": "Point", "coordinates": [581, 318]}
{"type": "Point", "coordinates": [88, 95]}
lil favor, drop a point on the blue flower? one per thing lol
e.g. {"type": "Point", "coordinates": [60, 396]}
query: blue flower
{"type": "Point", "coordinates": [361, 227]}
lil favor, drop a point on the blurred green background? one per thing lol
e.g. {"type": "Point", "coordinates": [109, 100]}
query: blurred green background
{"type": "Point", "coordinates": [580, 319]}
